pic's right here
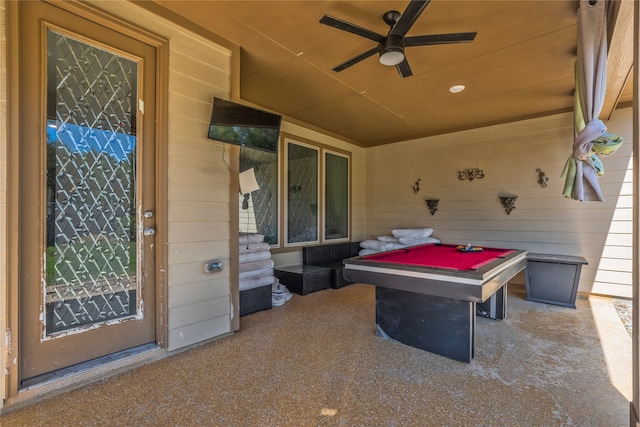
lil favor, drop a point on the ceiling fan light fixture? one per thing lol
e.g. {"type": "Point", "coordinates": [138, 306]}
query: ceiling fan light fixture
{"type": "Point", "coordinates": [391, 50]}
{"type": "Point", "coordinates": [392, 56]}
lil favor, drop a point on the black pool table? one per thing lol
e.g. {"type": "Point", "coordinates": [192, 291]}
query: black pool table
{"type": "Point", "coordinates": [426, 295]}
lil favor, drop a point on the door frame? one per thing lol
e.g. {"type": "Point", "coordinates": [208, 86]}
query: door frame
{"type": "Point", "coordinates": [161, 45]}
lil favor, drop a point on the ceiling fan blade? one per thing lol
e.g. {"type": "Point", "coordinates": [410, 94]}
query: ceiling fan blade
{"type": "Point", "coordinates": [404, 69]}
{"type": "Point", "coordinates": [409, 17]}
{"type": "Point", "coordinates": [439, 39]}
{"type": "Point", "coordinates": [350, 28]}
{"type": "Point", "coordinates": [356, 59]}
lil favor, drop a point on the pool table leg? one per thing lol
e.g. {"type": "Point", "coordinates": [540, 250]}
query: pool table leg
{"type": "Point", "coordinates": [494, 307]}
{"type": "Point", "coordinates": [439, 325]}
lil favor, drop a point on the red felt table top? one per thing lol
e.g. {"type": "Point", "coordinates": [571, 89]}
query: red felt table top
{"type": "Point", "coordinates": [439, 256]}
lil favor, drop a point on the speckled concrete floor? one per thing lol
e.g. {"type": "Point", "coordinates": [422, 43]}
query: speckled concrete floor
{"type": "Point", "coordinates": [316, 361]}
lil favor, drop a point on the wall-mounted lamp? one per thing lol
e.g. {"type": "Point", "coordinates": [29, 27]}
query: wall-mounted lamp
{"type": "Point", "coordinates": [248, 184]}
{"type": "Point", "coordinates": [542, 178]}
{"type": "Point", "coordinates": [416, 186]}
{"type": "Point", "coordinates": [432, 204]}
{"type": "Point", "coordinates": [509, 203]}
{"type": "Point", "coordinates": [471, 174]}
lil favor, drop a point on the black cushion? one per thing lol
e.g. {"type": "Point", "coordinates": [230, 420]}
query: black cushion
{"type": "Point", "coordinates": [339, 251]}
{"type": "Point", "coordinates": [315, 255]}
{"type": "Point", "coordinates": [354, 249]}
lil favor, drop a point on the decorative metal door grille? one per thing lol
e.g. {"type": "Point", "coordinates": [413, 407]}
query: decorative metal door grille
{"type": "Point", "coordinates": [91, 256]}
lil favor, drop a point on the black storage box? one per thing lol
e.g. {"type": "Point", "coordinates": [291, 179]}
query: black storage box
{"type": "Point", "coordinates": [255, 299]}
{"type": "Point", "coordinates": [553, 279]}
{"type": "Point", "coordinates": [303, 279]}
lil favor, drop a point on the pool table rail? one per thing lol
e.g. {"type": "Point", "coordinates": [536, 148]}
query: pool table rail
{"type": "Point", "coordinates": [471, 285]}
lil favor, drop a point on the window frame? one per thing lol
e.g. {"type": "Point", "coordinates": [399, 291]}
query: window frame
{"type": "Point", "coordinates": [326, 152]}
{"type": "Point", "coordinates": [278, 197]}
{"type": "Point", "coordinates": [322, 150]}
{"type": "Point", "coordinates": [285, 193]}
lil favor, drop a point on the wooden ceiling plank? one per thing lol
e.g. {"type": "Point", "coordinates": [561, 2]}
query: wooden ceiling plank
{"type": "Point", "coordinates": [620, 59]}
{"type": "Point", "coordinates": [524, 49]}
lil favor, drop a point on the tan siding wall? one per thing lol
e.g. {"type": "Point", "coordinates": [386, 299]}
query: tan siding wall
{"type": "Point", "coordinates": [198, 182]}
{"type": "Point", "coordinates": [3, 194]}
{"type": "Point", "coordinates": [543, 221]}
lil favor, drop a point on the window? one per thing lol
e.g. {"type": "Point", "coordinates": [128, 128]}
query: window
{"type": "Point", "coordinates": [314, 198]}
{"type": "Point", "coordinates": [259, 214]}
{"type": "Point", "coordinates": [302, 187]}
{"type": "Point", "coordinates": [336, 196]}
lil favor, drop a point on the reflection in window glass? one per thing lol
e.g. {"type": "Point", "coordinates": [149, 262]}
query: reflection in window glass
{"type": "Point", "coordinates": [336, 197]}
{"type": "Point", "coordinates": [302, 194]}
{"type": "Point", "coordinates": [261, 213]}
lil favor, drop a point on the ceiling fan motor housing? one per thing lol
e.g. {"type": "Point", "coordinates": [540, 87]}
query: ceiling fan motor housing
{"type": "Point", "coordinates": [391, 17]}
{"type": "Point", "coordinates": [391, 50]}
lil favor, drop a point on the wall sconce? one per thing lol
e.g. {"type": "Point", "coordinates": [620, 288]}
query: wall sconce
{"type": "Point", "coordinates": [542, 178]}
{"type": "Point", "coordinates": [432, 204]}
{"type": "Point", "coordinates": [509, 203]}
{"type": "Point", "coordinates": [471, 174]}
{"type": "Point", "coordinates": [416, 186]}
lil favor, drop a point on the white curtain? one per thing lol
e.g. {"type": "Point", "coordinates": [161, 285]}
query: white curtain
{"type": "Point", "coordinates": [591, 138]}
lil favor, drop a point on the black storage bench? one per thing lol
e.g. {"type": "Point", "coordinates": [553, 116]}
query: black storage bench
{"type": "Point", "coordinates": [331, 256]}
{"type": "Point", "coordinates": [553, 279]}
{"type": "Point", "coordinates": [303, 279]}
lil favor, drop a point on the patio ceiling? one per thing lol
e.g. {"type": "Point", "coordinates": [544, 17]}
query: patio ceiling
{"type": "Point", "coordinates": [519, 66]}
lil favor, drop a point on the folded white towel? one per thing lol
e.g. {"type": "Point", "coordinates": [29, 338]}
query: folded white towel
{"type": "Point", "coordinates": [254, 274]}
{"type": "Point", "coordinates": [254, 256]}
{"type": "Point", "coordinates": [256, 265]}
{"type": "Point", "coordinates": [253, 247]}
{"type": "Point", "coordinates": [248, 238]}
{"type": "Point", "coordinates": [412, 232]}
{"type": "Point", "coordinates": [247, 284]}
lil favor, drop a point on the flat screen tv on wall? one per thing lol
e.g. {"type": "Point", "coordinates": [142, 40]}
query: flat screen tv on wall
{"type": "Point", "coordinates": [238, 124]}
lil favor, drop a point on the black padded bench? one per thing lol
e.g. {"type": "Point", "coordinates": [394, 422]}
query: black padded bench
{"type": "Point", "coordinates": [330, 256]}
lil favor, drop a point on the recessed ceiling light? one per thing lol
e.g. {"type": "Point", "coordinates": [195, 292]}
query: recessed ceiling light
{"type": "Point", "coordinates": [456, 89]}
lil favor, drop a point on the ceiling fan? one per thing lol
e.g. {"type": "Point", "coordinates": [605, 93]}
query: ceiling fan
{"type": "Point", "coordinates": [391, 47]}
